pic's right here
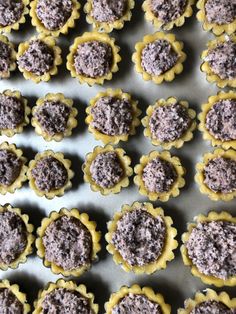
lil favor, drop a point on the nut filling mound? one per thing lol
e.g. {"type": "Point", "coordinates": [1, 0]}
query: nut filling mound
{"type": "Point", "coordinates": [112, 116]}
{"type": "Point", "coordinates": [169, 123]}
{"type": "Point", "coordinates": [167, 10]}
{"type": "Point", "coordinates": [63, 301]}
{"type": "Point", "coordinates": [93, 59]}
{"type": "Point", "coordinates": [11, 112]}
{"type": "Point", "coordinates": [68, 243]}
{"type": "Point", "coordinates": [139, 237]}
{"type": "Point", "coordinates": [220, 11]}
{"type": "Point", "coordinates": [10, 167]}
{"type": "Point", "coordinates": [37, 59]}
{"type": "Point", "coordinates": [222, 60]}
{"type": "Point", "coordinates": [5, 57]}
{"type": "Point", "coordinates": [106, 169]}
{"type": "Point", "coordinates": [211, 247]}
{"type": "Point", "coordinates": [9, 302]}
{"type": "Point", "coordinates": [108, 10]}
{"type": "Point", "coordinates": [49, 174]}
{"type": "Point", "coordinates": [159, 175]}
{"type": "Point", "coordinates": [10, 12]}
{"type": "Point", "coordinates": [136, 304]}
{"type": "Point", "coordinates": [220, 120]}
{"type": "Point", "coordinates": [220, 175]}
{"type": "Point", "coordinates": [13, 237]}
{"type": "Point", "coordinates": [53, 116]}
{"type": "Point", "coordinates": [213, 307]}
{"type": "Point", "coordinates": [158, 57]}
{"type": "Point", "coordinates": [53, 14]}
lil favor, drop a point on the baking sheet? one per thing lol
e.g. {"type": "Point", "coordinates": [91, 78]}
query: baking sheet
{"type": "Point", "coordinates": [175, 282]}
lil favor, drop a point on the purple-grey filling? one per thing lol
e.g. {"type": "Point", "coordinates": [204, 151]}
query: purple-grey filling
{"type": "Point", "coordinates": [9, 304]}
{"type": "Point", "coordinates": [93, 59]}
{"type": "Point", "coordinates": [211, 248]}
{"type": "Point", "coordinates": [68, 243]}
{"type": "Point", "coordinates": [212, 307]}
{"type": "Point", "coordinates": [10, 11]}
{"type": "Point", "coordinates": [108, 10]}
{"type": "Point", "coordinates": [169, 122]}
{"type": "Point", "coordinates": [159, 175]}
{"type": "Point", "coordinates": [106, 170]}
{"type": "Point", "coordinates": [54, 13]}
{"type": "Point", "coordinates": [12, 112]}
{"type": "Point", "coordinates": [37, 59]}
{"type": "Point", "coordinates": [158, 57]}
{"type": "Point", "coordinates": [49, 174]}
{"type": "Point", "coordinates": [5, 57]}
{"type": "Point", "coordinates": [220, 175]}
{"type": "Point", "coordinates": [13, 237]}
{"type": "Point", "coordinates": [167, 10]}
{"type": "Point", "coordinates": [10, 167]}
{"type": "Point", "coordinates": [136, 304]}
{"type": "Point", "coordinates": [221, 120]}
{"type": "Point", "coordinates": [139, 237]}
{"type": "Point", "coordinates": [222, 60]}
{"type": "Point", "coordinates": [63, 301]}
{"type": "Point", "coordinates": [112, 116]}
{"type": "Point", "coordinates": [53, 116]}
{"type": "Point", "coordinates": [220, 11]}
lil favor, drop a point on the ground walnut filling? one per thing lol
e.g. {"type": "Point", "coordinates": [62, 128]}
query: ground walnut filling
{"type": "Point", "coordinates": [167, 10]}
{"type": "Point", "coordinates": [10, 167]}
{"type": "Point", "coordinates": [112, 116]}
{"type": "Point", "coordinates": [10, 12]}
{"type": "Point", "coordinates": [139, 237]}
{"type": "Point", "coordinates": [108, 10]}
{"type": "Point", "coordinates": [136, 304]}
{"type": "Point", "coordinates": [11, 112]}
{"type": "Point", "coordinates": [5, 57]}
{"type": "Point", "coordinates": [211, 248]}
{"type": "Point", "coordinates": [169, 122]}
{"type": "Point", "coordinates": [93, 59]}
{"type": "Point", "coordinates": [54, 13]}
{"type": "Point", "coordinates": [220, 11]}
{"type": "Point", "coordinates": [49, 174]}
{"type": "Point", "coordinates": [62, 301]}
{"type": "Point", "coordinates": [106, 169]}
{"type": "Point", "coordinates": [53, 116]}
{"type": "Point", "coordinates": [68, 243]}
{"type": "Point", "coordinates": [13, 237]}
{"type": "Point", "coordinates": [212, 307]}
{"type": "Point", "coordinates": [9, 304]}
{"type": "Point", "coordinates": [220, 175]}
{"type": "Point", "coordinates": [220, 120]}
{"type": "Point", "coordinates": [158, 57]}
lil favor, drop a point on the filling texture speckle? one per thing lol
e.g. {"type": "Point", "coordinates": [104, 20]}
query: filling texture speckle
{"type": "Point", "coordinates": [212, 307]}
{"type": "Point", "coordinates": [108, 10]}
{"type": "Point", "coordinates": [10, 11]}
{"type": "Point", "coordinates": [11, 112]}
{"type": "Point", "coordinates": [167, 10]}
{"type": "Point", "coordinates": [10, 167]}
{"type": "Point", "coordinates": [220, 11]}
{"type": "Point", "coordinates": [9, 304]}
{"type": "Point", "coordinates": [68, 243]}
{"type": "Point", "coordinates": [5, 57]}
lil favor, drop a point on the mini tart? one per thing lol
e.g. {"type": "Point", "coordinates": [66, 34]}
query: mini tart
{"type": "Point", "coordinates": [164, 196]}
{"type": "Point", "coordinates": [124, 160]}
{"type": "Point", "coordinates": [19, 295]}
{"type": "Point", "coordinates": [68, 285]}
{"type": "Point", "coordinates": [167, 251]}
{"type": "Point", "coordinates": [27, 111]}
{"type": "Point", "coordinates": [107, 27]}
{"type": "Point", "coordinates": [202, 118]}
{"type": "Point", "coordinates": [71, 123]}
{"type": "Point", "coordinates": [70, 23]}
{"type": "Point", "coordinates": [30, 238]}
{"type": "Point", "coordinates": [187, 136]}
{"type": "Point", "coordinates": [209, 280]}
{"type": "Point", "coordinates": [209, 295]}
{"type": "Point", "coordinates": [168, 26]}
{"type": "Point", "coordinates": [84, 219]}
{"type": "Point", "coordinates": [116, 297]}
{"type": "Point", "coordinates": [215, 28]}
{"type": "Point", "coordinates": [93, 36]}
{"type": "Point", "coordinates": [17, 184]}
{"type": "Point", "coordinates": [51, 43]}
{"type": "Point", "coordinates": [66, 163]}
{"type": "Point", "coordinates": [12, 65]}
{"type": "Point", "coordinates": [199, 177]}
{"type": "Point", "coordinates": [205, 67]}
{"type": "Point", "coordinates": [106, 139]}
{"type": "Point", "coordinates": [168, 75]}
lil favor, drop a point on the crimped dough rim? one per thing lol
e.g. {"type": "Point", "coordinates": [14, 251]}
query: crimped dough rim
{"type": "Point", "coordinates": [12, 65]}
